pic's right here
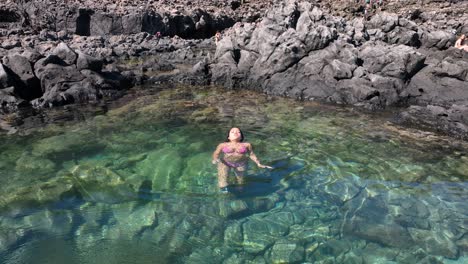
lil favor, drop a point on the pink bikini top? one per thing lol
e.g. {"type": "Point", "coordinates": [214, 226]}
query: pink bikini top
{"type": "Point", "coordinates": [241, 150]}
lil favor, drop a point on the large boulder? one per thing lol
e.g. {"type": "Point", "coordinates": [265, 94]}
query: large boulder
{"type": "Point", "coordinates": [85, 61]}
{"type": "Point", "coordinates": [53, 71]}
{"type": "Point", "coordinates": [357, 31]}
{"type": "Point", "coordinates": [437, 39]}
{"type": "Point", "coordinates": [257, 52]}
{"type": "Point", "coordinates": [384, 21]}
{"type": "Point", "coordinates": [442, 84]}
{"type": "Point", "coordinates": [65, 53]}
{"type": "Point", "coordinates": [393, 61]}
{"type": "Point", "coordinates": [26, 84]}
{"type": "Point", "coordinates": [451, 120]}
{"type": "Point", "coordinates": [63, 84]}
{"type": "Point", "coordinates": [6, 79]}
{"type": "Point", "coordinates": [9, 102]}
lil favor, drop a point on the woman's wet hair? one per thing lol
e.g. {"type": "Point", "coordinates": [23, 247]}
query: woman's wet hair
{"type": "Point", "coordinates": [242, 134]}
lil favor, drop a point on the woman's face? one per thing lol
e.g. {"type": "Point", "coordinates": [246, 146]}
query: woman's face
{"type": "Point", "coordinates": [234, 134]}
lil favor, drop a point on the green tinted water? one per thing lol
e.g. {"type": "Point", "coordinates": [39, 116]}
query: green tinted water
{"type": "Point", "coordinates": [135, 185]}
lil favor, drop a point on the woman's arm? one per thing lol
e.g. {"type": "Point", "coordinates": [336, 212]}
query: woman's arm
{"type": "Point", "coordinates": [216, 153]}
{"type": "Point", "coordinates": [254, 158]}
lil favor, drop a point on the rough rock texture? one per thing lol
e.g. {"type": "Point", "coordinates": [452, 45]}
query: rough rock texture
{"type": "Point", "coordinates": [398, 54]}
{"type": "Point", "coordinates": [300, 51]}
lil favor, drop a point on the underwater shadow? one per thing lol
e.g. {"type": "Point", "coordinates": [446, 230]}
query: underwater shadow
{"type": "Point", "coordinates": [145, 192]}
{"type": "Point", "coordinates": [265, 182]}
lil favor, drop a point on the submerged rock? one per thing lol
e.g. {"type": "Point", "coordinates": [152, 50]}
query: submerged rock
{"type": "Point", "coordinates": [344, 189]}
{"type": "Point", "coordinates": [434, 242]}
{"type": "Point", "coordinates": [390, 235]}
{"type": "Point", "coordinates": [101, 184]}
{"type": "Point", "coordinates": [231, 209]}
{"type": "Point", "coordinates": [286, 252]}
{"type": "Point", "coordinates": [162, 167]}
{"type": "Point", "coordinates": [10, 237]}
{"type": "Point", "coordinates": [205, 255]}
{"type": "Point", "coordinates": [198, 172]}
{"type": "Point", "coordinates": [65, 144]}
{"type": "Point", "coordinates": [50, 222]}
{"type": "Point", "coordinates": [259, 234]}
{"type": "Point", "coordinates": [233, 234]}
{"type": "Point", "coordinates": [131, 220]}
{"type": "Point", "coordinates": [41, 192]}
{"type": "Point", "coordinates": [30, 164]}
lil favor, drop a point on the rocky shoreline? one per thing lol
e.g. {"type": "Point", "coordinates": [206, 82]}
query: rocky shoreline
{"type": "Point", "coordinates": [54, 53]}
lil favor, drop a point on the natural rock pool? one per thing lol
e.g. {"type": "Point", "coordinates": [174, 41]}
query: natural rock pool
{"type": "Point", "coordinates": [136, 185]}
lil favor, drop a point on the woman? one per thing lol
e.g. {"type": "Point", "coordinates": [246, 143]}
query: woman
{"type": "Point", "coordinates": [460, 43]}
{"type": "Point", "coordinates": [234, 152]}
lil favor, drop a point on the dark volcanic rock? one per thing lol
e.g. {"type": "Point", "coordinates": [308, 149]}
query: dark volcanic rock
{"type": "Point", "coordinates": [300, 51]}
{"type": "Point", "coordinates": [104, 19]}
{"type": "Point", "coordinates": [400, 61]}
{"type": "Point", "coordinates": [6, 79]}
{"type": "Point", "coordinates": [309, 61]}
{"type": "Point", "coordinates": [450, 120]}
{"type": "Point", "coordinates": [66, 54]}
{"type": "Point", "coordinates": [434, 85]}
{"type": "Point", "coordinates": [9, 102]}
{"type": "Point", "coordinates": [52, 75]}
{"type": "Point", "coordinates": [85, 61]}
{"type": "Point", "coordinates": [23, 79]}
{"type": "Point", "coordinates": [396, 55]}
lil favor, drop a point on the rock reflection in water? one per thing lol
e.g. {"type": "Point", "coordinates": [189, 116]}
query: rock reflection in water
{"type": "Point", "coordinates": [136, 183]}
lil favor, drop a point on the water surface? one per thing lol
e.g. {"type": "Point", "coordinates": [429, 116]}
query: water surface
{"type": "Point", "coordinates": [134, 184]}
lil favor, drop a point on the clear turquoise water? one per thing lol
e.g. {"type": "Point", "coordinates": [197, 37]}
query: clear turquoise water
{"type": "Point", "coordinates": [135, 185]}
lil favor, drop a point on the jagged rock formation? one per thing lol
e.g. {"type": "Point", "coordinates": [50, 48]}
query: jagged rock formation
{"type": "Point", "coordinates": [399, 54]}
{"type": "Point", "coordinates": [89, 18]}
{"type": "Point", "coordinates": [300, 51]}
{"type": "Point", "coordinates": [62, 76]}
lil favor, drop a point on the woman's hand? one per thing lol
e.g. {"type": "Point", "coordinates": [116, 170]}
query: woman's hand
{"type": "Point", "coordinates": [264, 166]}
{"type": "Point", "coordinates": [215, 161]}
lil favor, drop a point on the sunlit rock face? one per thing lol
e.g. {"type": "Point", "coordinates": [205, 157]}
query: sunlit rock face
{"type": "Point", "coordinates": [300, 51]}
{"type": "Point", "coordinates": [398, 54]}
{"type": "Point", "coordinates": [199, 20]}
